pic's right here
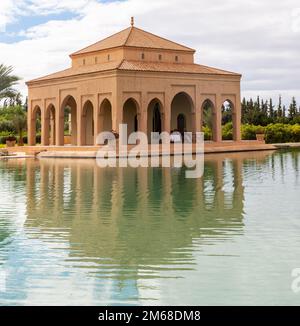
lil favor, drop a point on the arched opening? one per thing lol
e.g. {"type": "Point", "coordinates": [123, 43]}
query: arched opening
{"type": "Point", "coordinates": [130, 116]}
{"type": "Point", "coordinates": [181, 123]}
{"type": "Point", "coordinates": [37, 125]}
{"type": "Point", "coordinates": [68, 122]}
{"type": "Point", "coordinates": [227, 121]}
{"type": "Point", "coordinates": [136, 124]}
{"type": "Point", "coordinates": [105, 116]}
{"type": "Point", "coordinates": [181, 113]}
{"type": "Point", "coordinates": [87, 131]}
{"type": "Point", "coordinates": [208, 120]}
{"type": "Point", "coordinates": [50, 127]}
{"type": "Point", "coordinates": [154, 117]}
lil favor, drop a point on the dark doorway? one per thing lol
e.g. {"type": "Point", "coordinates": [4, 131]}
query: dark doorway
{"type": "Point", "coordinates": [156, 123]}
{"type": "Point", "coordinates": [181, 126]}
{"type": "Point", "coordinates": [136, 125]}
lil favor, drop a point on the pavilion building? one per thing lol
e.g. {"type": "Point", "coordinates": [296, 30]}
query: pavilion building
{"type": "Point", "coordinates": [136, 78]}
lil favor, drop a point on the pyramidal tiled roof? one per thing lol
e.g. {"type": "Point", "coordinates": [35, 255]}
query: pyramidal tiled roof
{"type": "Point", "coordinates": [137, 66]}
{"type": "Point", "coordinates": [133, 37]}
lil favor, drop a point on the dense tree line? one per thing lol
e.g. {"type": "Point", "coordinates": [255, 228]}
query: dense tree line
{"type": "Point", "coordinates": [260, 112]}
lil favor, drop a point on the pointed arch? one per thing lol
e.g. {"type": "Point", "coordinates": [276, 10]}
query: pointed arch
{"type": "Point", "coordinates": [87, 124]}
{"type": "Point", "coordinates": [105, 116]}
{"type": "Point", "coordinates": [182, 109]}
{"type": "Point", "coordinates": [208, 119]}
{"type": "Point", "coordinates": [131, 115]}
{"type": "Point", "coordinates": [50, 125]}
{"type": "Point", "coordinates": [36, 124]}
{"type": "Point", "coordinates": [227, 120]}
{"type": "Point", "coordinates": [68, 121]}
{"type": "Point", "coordinates": [154, 117]}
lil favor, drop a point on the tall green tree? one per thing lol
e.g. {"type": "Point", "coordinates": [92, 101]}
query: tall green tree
{"type": "Point", "coordinates": [293, 111]}
{"type": "Point", "coordinates": [20, 123]}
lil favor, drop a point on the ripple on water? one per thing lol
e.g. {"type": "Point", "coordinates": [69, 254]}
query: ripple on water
{"type": "Point", "coordinates": [72, 233]}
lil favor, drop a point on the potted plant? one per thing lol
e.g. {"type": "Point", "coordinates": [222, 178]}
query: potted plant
{"type": "Point", "coordinates": [116, 134]}
{"type": "Point", "coordinates": [260, 134]}
{"type": "Point", "coordinates": [11, 141]}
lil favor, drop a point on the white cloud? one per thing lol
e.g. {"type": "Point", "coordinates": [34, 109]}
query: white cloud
{"type": "Point", "coordinates": [6, 7]}
{"type": "Point", "coordinates": [53, 6]}
{"type": "Point", "coordinates": [40, 7]}
{"type": "Point", "coordinates": [296, 20]}
{"type": "Point", "coordinates": [260, 39]}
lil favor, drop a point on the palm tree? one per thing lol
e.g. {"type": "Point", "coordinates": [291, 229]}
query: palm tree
{"type": "Point", "coordinates": [14, 100]}
{"type": "Point", "coordinates": [7, 82]}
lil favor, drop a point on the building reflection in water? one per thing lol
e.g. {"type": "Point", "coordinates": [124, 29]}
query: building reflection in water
{"type": "Point", "coordinates": [126, 224]}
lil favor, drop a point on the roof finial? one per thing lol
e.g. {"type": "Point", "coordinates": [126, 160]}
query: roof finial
{"type": "Point", "coordinates": [132, 21]}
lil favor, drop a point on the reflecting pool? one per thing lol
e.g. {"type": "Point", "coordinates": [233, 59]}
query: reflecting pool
{"type": "Point", "coordinates": [72, 233]}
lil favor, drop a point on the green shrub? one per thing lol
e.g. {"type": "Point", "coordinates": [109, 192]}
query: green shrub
{"type": "Point", "coordinates": [295, 131]}
{"type": "Point", "coordinates": [6, 125]}
{"type": "Point", "coordinates": [281, 133]}
{"type": "Point", "coordinates": [207, 133]}
{"type": "Point", "coordinates": [227, 131]}
{"type": "Point", "coordinates": [4, 133]}
{"type": "Point", "coordinates": [249, 131]}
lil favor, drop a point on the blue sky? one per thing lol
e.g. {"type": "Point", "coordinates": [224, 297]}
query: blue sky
{"type": "Point", "coordinates": [12, 32]}
{"type": "Point", "coordinates": [23, 22]}
{"type": "Point", "coordinates": [258, 38]}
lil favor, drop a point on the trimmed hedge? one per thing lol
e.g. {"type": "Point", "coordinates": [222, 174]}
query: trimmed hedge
{"type": "Point", "coordinates": [282, 133]}
{"type": "Point", "coordinates": [274, 133]}
{"type": "Point", "coordinates": [249, 131]}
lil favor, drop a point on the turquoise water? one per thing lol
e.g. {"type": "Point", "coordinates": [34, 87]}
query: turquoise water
{"type": "Point", "coordinates": [72, 233]}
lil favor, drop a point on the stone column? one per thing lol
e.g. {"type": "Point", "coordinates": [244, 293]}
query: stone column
{"type": "Point", "coordinates": [30, 126]}
{"type": "Point", "coordinates": [217, 120]}
{"type": "Point", "coordinates": [117, 111]}
{"type": "Point", "coordinates": [96, 113]}
{"type": "Point", "coordinates": [53, 128]}
{"type": "Point", "coordinates": [143, 123]}
{"type": "Point", "coordinates": [198, 119]}
{"type": "Point", "coordinates": [45, 120]}
{"type": "Point", "coordinates": [167, 115]}
{"type": "Point", "coordinates": [236, 119]}
{"type": "Point", "coordinates": [59, 122]}
{"type": "Point", "coordinates": [79, 113]}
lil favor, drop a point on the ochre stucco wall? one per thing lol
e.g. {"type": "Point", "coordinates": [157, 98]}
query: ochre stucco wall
{"type": "Point", "coordinates": [118, 86]}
